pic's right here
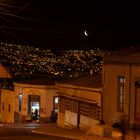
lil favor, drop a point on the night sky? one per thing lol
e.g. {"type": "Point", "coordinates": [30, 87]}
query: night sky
{"type": "Point", "coordinates": [60, 25]}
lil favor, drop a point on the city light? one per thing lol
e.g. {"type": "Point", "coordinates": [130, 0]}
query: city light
{"type": "Point", "coordinates": [25, 60]}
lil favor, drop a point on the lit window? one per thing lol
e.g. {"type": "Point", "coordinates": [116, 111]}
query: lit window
{"type": "Point", "coordinates": [121, 93]}
{"type": "Point", "coordinates": [56, 103]}
{"type": "Point", "coordinates": [20, 102]}
{"type": "Point", "coordinates": [56, 100]}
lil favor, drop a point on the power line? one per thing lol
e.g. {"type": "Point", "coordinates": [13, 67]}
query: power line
{"type": "Point", "coordinates": [10, 6]}
{"type": "Point", "coordinates": [31, 19]}
{"type": "Point", "coordinates": [34, 20]}
{"type": "Point", "coordinates": [16, 13]}
{"type": "Point", "coordinates": [20, 17]}
{"type": "Point", "coordinates": [17, 36]}
{"type": "Point", "coordinates": [4, 10]}
{"type": "Point", "coordinates": [35, 30]}
{"type": "Point", "coordinates": [8, 20]}
{"type": "Point", "coordinates": [27, 4]}
{"type": "Point", "coordinates": [16, 7]}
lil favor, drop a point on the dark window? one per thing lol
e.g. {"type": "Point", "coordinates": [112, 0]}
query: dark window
{"type": "Point", "coordinates": [9, 107]}
{"type": "Point", "coordinates": [6, 83]}
{"type": "Point", "coordinates": [3, 106]}
{"type": "Point", "coordinates": [90, 110]}
{"type": "Point", "coordinates": [137, 84]}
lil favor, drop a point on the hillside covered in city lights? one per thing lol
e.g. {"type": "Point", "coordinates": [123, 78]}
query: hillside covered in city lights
{"type": "Point", "coordinates": [26, 60]}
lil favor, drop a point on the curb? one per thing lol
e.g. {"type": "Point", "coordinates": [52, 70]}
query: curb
{"type": "Point", "coordinates": [28, 126]}
{"type": "Point", "coordinates": [54, 134]}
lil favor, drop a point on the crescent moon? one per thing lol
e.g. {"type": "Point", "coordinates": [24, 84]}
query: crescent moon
{"type": "Point", "coordinates": [85, 33]}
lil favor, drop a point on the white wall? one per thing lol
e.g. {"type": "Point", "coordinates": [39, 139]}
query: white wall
{"type": "Point", "coordinates": [46, 98]}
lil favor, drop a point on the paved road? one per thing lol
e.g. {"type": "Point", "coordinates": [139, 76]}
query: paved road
{"type": "Point", "coordinates": [20, 133]}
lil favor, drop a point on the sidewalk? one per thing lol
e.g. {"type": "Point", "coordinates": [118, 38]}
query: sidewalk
{"type": "Point", "coordinates": [71, 133]}
{"type": "Point", "coordinates": [53, 129]}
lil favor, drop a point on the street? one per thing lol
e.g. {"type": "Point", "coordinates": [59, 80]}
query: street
{"type": "Point", "coordinates": [20, 133]}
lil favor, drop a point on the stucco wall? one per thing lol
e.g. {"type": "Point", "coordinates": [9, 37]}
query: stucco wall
{"type": "Point", "coordinates": [61, 119]}
{"type": "Point", "coordinates": [70, 118]}
{"type": "Point", "coordinates": [46, 98]}
{"type": "Point", "coordinates": [110, 92]}
{"type": "Point", "coordinates": [7, 99]}
{"type": "Point", "coordinates": [84, 94]}
{"type": "Point", "coordinates": [135, 75]}
{"type": "Point", "coordinates": [93, 94]}
{"type": "Point", "coordinates": [48, 101]}
{"type": "Point", "coordinates": [86, 122]}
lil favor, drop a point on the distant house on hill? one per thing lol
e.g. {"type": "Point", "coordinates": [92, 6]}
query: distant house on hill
{"type": "Point", "coordinates": [121, 94]}
{"type": "Point", "coordinates": [24, 99]}
{"type": "Point", "coordinates": [80, 101]}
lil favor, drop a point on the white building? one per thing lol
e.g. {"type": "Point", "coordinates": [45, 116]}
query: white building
{"type": "Point", "coordinates": [34, 96]}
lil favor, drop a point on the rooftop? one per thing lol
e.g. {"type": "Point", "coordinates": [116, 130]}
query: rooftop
{"type": "Point", "coordinates": [93, 81]}
{"type": "Point", "coordinates": [125, 56]}
{"type": "Point", "coordinates": [37, 81]}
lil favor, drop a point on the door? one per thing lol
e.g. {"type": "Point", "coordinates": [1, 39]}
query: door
{"type": "Point", "coordinates": [34, 106]}
{"type": "Point", "coordinates": [137, 109]}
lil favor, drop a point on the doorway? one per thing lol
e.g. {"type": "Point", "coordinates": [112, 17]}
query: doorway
{"type": "Point", "coordinates": [35, 110]}
{"type": "Point", "coordinates": [137, 106]}
{"type": "Point", "coordinates": [34, 107]}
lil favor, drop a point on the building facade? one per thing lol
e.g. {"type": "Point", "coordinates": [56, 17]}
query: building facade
{"type": "Point", "coordinates": [7, 106]}
{"type": "Point", "coordinates": [6, 95]}
{"type": "Point", "coordinates": [21, 100]}
{"type": "Point", "coordinates": [33, 101]}
{"type": "Point", "coordinates": [80, 103]}
{"type": "Point", "coordinates": [121, 90]}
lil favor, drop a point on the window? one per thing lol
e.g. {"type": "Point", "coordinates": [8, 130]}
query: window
{"type": "Point", "coordinates": [3, 106]}
{"type": "Point", "coordinates": [90, 110]}
{"type": "Point", "coordinates": [9, 107]}
{"type": "Point", "coordinates": [56, 103]}
{"type": "Point", "coordinates": [20, 102]}
{"type": "Point", "coordinates": [121, 93]}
